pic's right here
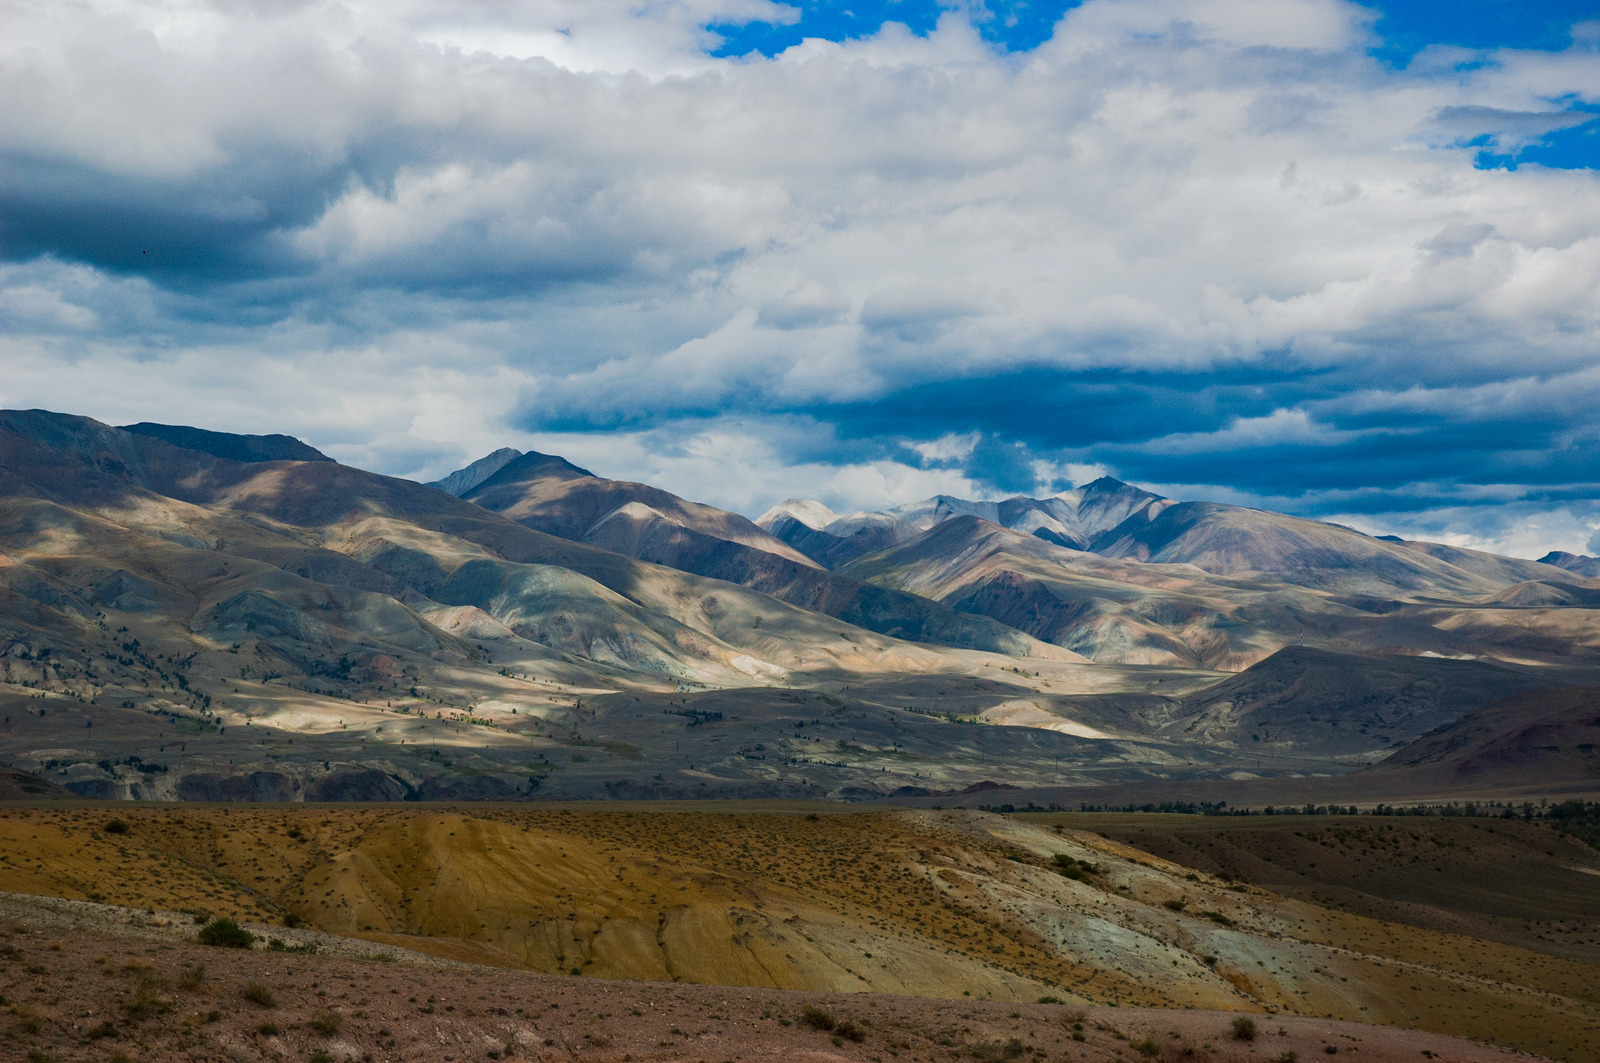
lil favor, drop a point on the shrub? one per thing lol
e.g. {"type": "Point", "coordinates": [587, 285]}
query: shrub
{"type": "Point", "coordinates": [1077, 870]}
{"type": "Point", "coordinates": [268, 1029]}
{"type": "Point", "coordinates": [116, 826]}
{"type": "Point", "coordinates": [147, 999]}
{"type": "Point", "coordinates": [192, 978]}
{"type": "Point", "coordinates": [326, 1022]}
{"type": "Point", "coordinates": [227, 934]}
{"type": "Point", "coordinates": [1050, 1000]}
{"type": "Point", "coordinates": [1244, 1028]}
{"type": "Point", "coordinates": [849, 1031]}
{"type": "Point", "coordinates": [260, 993]}
{"type": "Point", "coordinates": [291, 920]}
{"type": "Point", "coordinates": [1218, 918]}
{"type": "Point", "coordinates": [997, 1050]}
{"type": "Point", "coordinates": [817, 1018]}
{"type": "Point", "coordinates": [1177, 904]}
{"type": "Point", "coordinates": [1147, 1048]}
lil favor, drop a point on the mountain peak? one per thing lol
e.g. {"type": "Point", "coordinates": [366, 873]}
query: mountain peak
{"type": "Point", "coordinates": [533, 465]}
{"type": "Point", "coordinates": [807, 511]}
{"type": "Point", "coordinates": [465, 479]}
{"type": "Point", "coordinates": [1110, 485]}
{"type": "Point", "coordinates": [229, 445]}
{"type": "Point", "coordinates": [1579, 563]}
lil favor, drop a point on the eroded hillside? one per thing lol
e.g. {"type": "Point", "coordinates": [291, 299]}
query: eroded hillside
{"type": "Point", "coordinates": [929, 903]}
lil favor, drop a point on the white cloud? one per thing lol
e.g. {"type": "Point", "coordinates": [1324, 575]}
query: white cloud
{"type": "Point", "coordinates": [451, 227]}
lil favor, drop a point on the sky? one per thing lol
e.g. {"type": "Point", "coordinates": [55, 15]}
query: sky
{"type": "Point", "coordinates": [1335, 260]}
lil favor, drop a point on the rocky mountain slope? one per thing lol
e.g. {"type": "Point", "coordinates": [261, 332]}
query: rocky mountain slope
{"type": "Point", "coordinates": [1189, 604]}
{"type": "Point", "coordinates": [1552, 737]}
{"type": "Point", "coordinates": [153, 591]}
{"type": "Point", "coordinates": [1582, 565]}
{"type": "Point", "coordinates": [558, 498]}
{"type": "Point", "coordinates": [1077, 518]}
{"type": "Point", "coordinates": [181, 623]}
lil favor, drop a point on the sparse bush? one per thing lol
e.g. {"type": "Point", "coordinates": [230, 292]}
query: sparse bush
{"type": "Point", "coordinates": [1147, 1048]}
{"type": "Point", "coordinates": [260, 993]}
{"type": "Point", "coordinates": [325, 1022]}
{"type": "Point", "coordinates": [268, 1029]}
{"type": "Point", "coordinates": [1077, 870]}
{"type": "Point", "coordinates": [849, 1031]}
{"type": "Point", "coordinates": [115, 826]}
{"type": "Point", "coordinates": [291, 920]}
{"type": "Point", "coordinates": [321, 1055]}
{"type": "Point", "coordinates": [192, 978]}
{"type": "Point", "coordinates": [102, 1031]}
{"type": "Point", "coordinates": [1294, 1057]}
{"type": "Point", "coordinates": [817, 1018]}
{"type": "Point", "coordinates": [1244, 1028]}
{"type": "Point", "coordinates": [226, 934]}
{"type": "Point", "coordinates": [1050, 1000]}
{"type": "Point", "coordinates": [997, 1050]}
{"type": "Point", "coordinates": [1218, 918]}
{"type": "Point", "coordinates": [1177, 904]}
{"type": "Point", "coordinates": [147, 999]}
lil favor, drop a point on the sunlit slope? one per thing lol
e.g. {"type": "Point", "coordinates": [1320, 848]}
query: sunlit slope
{"type": "Point", "coordinates": [930, 903]}
{"type": "Point", "coordinates": [1187, 611]}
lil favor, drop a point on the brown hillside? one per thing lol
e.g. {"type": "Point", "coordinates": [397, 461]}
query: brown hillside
{"type": "Point", "coordinates": [934, 904]}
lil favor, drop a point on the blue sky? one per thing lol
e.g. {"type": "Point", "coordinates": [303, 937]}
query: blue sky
{"type": "Point", "coordinates": [1333, 259]}
{"type": "Point", "coordinates": [1404, 27]}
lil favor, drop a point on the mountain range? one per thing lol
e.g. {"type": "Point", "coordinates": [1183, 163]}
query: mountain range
{"type": "Point", "coordinates": [202, 615]}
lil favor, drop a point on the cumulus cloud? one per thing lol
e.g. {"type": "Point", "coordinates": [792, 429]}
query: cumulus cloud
{"type": "Point", "coordinates": [1213, 246]}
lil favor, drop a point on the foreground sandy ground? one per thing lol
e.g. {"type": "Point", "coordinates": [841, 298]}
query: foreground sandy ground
{"type": "Point", "coordinates": [91, 982]}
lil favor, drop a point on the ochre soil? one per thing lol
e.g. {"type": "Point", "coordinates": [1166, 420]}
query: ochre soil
{"type": "Point", "coordinates": [74, 995]}
{"type": "Point", "coordinates": [937, 904]}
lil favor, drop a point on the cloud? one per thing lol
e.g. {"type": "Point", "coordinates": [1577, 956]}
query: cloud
{"type": "Point", "coordinates": [1508, 129]}
{"type": "Point", "coordinates": [1214, 246]}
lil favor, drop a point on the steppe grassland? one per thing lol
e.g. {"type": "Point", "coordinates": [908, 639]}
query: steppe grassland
{"type": "Point", "coordinates": [918, 903]}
